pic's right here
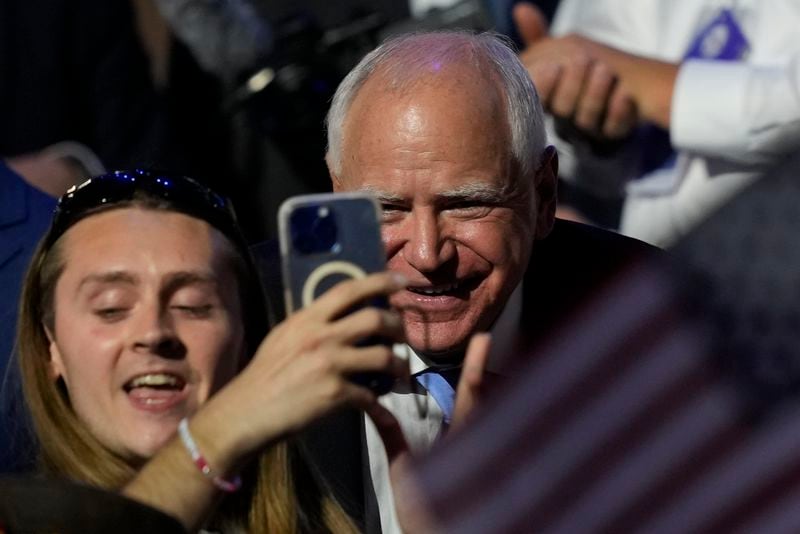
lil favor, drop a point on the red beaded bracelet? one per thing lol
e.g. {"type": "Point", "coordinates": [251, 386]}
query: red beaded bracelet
{"type": "Point", "coordinates": [228, 486]}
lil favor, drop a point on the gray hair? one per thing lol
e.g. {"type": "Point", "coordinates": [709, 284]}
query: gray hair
{"type": "Point", "coordinates": [405, 59]}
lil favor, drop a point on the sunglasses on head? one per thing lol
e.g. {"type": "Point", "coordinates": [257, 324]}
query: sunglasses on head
{"type": "Point", "coordinates": [181, 193]}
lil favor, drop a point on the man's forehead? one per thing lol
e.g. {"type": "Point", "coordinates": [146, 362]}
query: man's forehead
{"type": "Point", "coordinates": [441, 139]}
{"type": "Point", "coordinates": [458, 83]}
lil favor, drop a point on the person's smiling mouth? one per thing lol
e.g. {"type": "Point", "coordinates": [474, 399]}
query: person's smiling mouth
{"type": "Point", "coordinates": [460, 289]}
{"type": "Point", "coordinates": [156, 391]}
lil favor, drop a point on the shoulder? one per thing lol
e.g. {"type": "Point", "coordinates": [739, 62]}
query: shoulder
{"type": "Point", "coordinates": [23, 207]}
{"type": "Point", "coordinates": [575, 241]}
{"type": "Point", "coordinates": [570, 265]}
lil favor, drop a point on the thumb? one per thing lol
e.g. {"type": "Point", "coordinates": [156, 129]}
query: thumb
{"type": "Point", "coordinates": [530, 22]}
{"type": "Point", "coordinates": [470, 386]}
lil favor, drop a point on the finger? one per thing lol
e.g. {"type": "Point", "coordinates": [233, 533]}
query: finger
{"type": "Point", "coordinates": [289, 402]}
{"type": "Point", "coordinates": [379, 358]}
{"type": "Point", "coordinates": [364, 323]}
{"type": "Point", "coordinates": [545, 77]}
{"type": "Point", "coordinates": [530, 22]}
{"type": "Point", "coordinates": [621, 116]}
{"type": "Point", "coordinates": [347, 294]}
{"type": "Point", "coordinates": [570, 84]}
{"type": "Point", "coordinates": [595, 97]}
{"type": "Point", "coordinates": [357, 395]}
{"type": "Point", "coordinates": [341, 393]}
{"type": "Point", "coordinates": [472, 372]}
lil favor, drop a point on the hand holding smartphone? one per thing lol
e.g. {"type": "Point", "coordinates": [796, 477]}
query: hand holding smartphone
{"type": "Point", "coordinates": [326, 239]}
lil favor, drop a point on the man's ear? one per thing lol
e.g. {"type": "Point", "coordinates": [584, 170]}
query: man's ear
{"type": "Point", "coordinates": [56, 363]}
{"type": "Point", "coordinates": [546, 186]}
{"type": "Point", "coordinates": [336, 182]}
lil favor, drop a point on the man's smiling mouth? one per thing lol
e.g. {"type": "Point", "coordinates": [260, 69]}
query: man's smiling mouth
{"type": "Point", "coordinates": [459, 289]}
{"type": "Point", "coordinates": [432, 291]}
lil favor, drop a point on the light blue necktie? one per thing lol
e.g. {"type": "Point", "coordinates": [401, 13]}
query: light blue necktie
{"type": "Point", "coordinates": [440, 383]}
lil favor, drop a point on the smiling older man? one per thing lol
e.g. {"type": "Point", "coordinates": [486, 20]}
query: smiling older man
{"type": "Point", "coordinates": [445, 128]}
{"type": "Point", "coordinates": [449, 137]}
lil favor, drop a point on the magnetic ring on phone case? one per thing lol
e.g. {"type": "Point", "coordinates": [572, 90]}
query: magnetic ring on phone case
{"type": "Point", "coordinates": [327, 269]}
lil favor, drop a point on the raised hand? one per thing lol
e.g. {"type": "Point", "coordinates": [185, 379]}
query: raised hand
{"type": "Point", "coordinates": [300, 371]}
{"type": "Point", "coordinates": [410, 511]}
{"type": "Point", "coordinates": [574, 78]}
{"type": "Point", "coordinates": [470, 389]}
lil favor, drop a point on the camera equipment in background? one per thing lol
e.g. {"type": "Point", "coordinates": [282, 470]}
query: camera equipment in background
{"type": "Point", "coordinates": [278, 107]}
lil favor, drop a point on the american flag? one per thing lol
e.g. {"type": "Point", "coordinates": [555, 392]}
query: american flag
{"type": "Point", "coordinates": [666, 403]}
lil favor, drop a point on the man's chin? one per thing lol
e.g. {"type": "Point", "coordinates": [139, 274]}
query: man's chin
{"type": "Point", "coordinates": [440, 343]}
{"type": "Point", "coordinates": [440, 353]}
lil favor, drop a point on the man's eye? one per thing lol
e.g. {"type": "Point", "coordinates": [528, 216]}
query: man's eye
{"type": "Point", "coordinates": [195, 312]}
{"type": "Point", "coordinates": [391, 207]}
{"type": "Point", "coordinates": [468, 207]}
{"type": "Point", "coordinates": [392, 211]}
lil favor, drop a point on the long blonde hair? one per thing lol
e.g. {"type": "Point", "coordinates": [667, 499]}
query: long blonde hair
{"type": "Point", "coordinates": [278, 487]}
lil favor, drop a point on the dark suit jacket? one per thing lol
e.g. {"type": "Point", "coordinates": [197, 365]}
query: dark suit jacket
{"type": "Point", "coordinates": [24, 216]}
{"type": "Point", "coordinates": [565, 268]}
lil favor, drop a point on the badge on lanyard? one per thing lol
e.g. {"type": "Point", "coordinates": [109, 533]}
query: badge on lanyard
{"type": "Point", "coordinates": [721, 39]}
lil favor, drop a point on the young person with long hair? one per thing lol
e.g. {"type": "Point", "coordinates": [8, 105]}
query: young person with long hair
{"type": "Point", "coordinates": [142, 305]}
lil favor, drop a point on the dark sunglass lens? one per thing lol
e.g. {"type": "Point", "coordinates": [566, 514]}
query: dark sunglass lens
{"type": "Point", "coordinates": [122, 186]}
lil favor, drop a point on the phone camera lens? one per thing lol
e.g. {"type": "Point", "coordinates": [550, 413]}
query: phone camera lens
{"type": "Point", "coordinates": [314, 230]}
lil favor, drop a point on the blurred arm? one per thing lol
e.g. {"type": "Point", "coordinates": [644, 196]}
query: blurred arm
{"type": "Point", "coordinates": [737, 111]}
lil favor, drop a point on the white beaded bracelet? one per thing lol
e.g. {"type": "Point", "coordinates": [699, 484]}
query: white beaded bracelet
{"type": "Point", "coordinates": [225, 485]}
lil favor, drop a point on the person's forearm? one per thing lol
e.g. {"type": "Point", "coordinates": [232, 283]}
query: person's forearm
{"type": "Point", "coordinates": [738, 111]}
{"type": "Point", "coordinates": [172, 483]}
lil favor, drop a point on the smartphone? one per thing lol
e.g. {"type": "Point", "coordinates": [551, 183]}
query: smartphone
{"type": "Point", "coordinates": [326, 239]}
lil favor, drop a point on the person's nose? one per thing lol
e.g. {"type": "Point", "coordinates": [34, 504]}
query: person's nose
{"type": "Point", "coordinates": [154, 333]}
{"type": "Point", "coordinates": [428, 246]}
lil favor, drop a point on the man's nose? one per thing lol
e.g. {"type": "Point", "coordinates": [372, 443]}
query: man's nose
{"type": "Point", "coordinates": [154, 333]}
{"type": "Point", "coordinates": [428, 246]}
